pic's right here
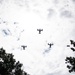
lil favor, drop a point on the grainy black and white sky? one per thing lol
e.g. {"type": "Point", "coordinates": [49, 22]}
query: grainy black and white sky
{"type": "Point", "coordinates": [19, 21]}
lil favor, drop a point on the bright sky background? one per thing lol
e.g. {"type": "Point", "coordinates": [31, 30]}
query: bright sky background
{"type": "Point", "coordinates": [19, 21]}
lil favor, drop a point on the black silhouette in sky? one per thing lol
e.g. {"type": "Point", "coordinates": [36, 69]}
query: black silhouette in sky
{"type": "Point", "coordinates": [50, 45]}
{"type": "Point", "coordinates": [24, 47]}
{"type": "Point", "coordinates": [39, 30]}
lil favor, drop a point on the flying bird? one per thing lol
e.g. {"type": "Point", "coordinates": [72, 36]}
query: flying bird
{"type": "Point", "coordinates": [50, 45]}
{"type": "Point", "coordinates": [39, 30]}
{"type": "Point", "coordinates": [24, 47]}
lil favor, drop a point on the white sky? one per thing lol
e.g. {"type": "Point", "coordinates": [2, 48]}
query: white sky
{"type": "Point", "coordinates": [55, 17]}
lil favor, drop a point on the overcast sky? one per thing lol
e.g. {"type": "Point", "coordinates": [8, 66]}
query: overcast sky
{"type": "Point", "coordinates": [20, 21]}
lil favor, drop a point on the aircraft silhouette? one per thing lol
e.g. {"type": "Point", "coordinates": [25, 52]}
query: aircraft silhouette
{"type": "Point", "coordinates": [39, 30]}
{"type": "Point", "coordinates": [72, 43]}
{"type": "Point", "coordinates": [23, 46]}
{"type": "Point", "coordinates": [50, 45]}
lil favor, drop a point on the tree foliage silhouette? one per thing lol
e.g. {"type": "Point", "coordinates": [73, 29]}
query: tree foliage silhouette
{"type": "Point", "coordinates": [71, 60]}
{"type": "Point", "coordinates": [8, 65]}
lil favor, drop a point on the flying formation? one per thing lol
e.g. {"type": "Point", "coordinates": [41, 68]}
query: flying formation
{"type": "Point", "coordinates": [24, 46]}
{"type": "Point", "coordinates": [40, 30]}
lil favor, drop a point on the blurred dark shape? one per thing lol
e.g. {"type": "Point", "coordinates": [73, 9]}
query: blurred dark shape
{"type": "Point", "coordinates": [23, 46]}
{"type": "Point", "coordinates": [15, 22]}
{"type": "Point", "coordinates": [46, 51]}
{"type": "Point", "coordinates": [50, 45]}
{"type": "Point", "coordinates": [8, 65]}
{"type": "Point", "coordinates": [66, 13]}
{"type": "Point", "coordinates": [68, 45]}
{"type": "Point", "coordinates": [4, 21]}
{"type": "Point", "coordinates": [6, 31]}
{"type": "Point", "coordinates": [39, 30]}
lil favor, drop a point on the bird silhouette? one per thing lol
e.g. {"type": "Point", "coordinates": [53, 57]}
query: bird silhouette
{"type": "Point", "coordinates": [50, 45]}
{"type": "Point", "coordinates": [24, 47]}
{"type": "Point", "coordinates": [39, 30]}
